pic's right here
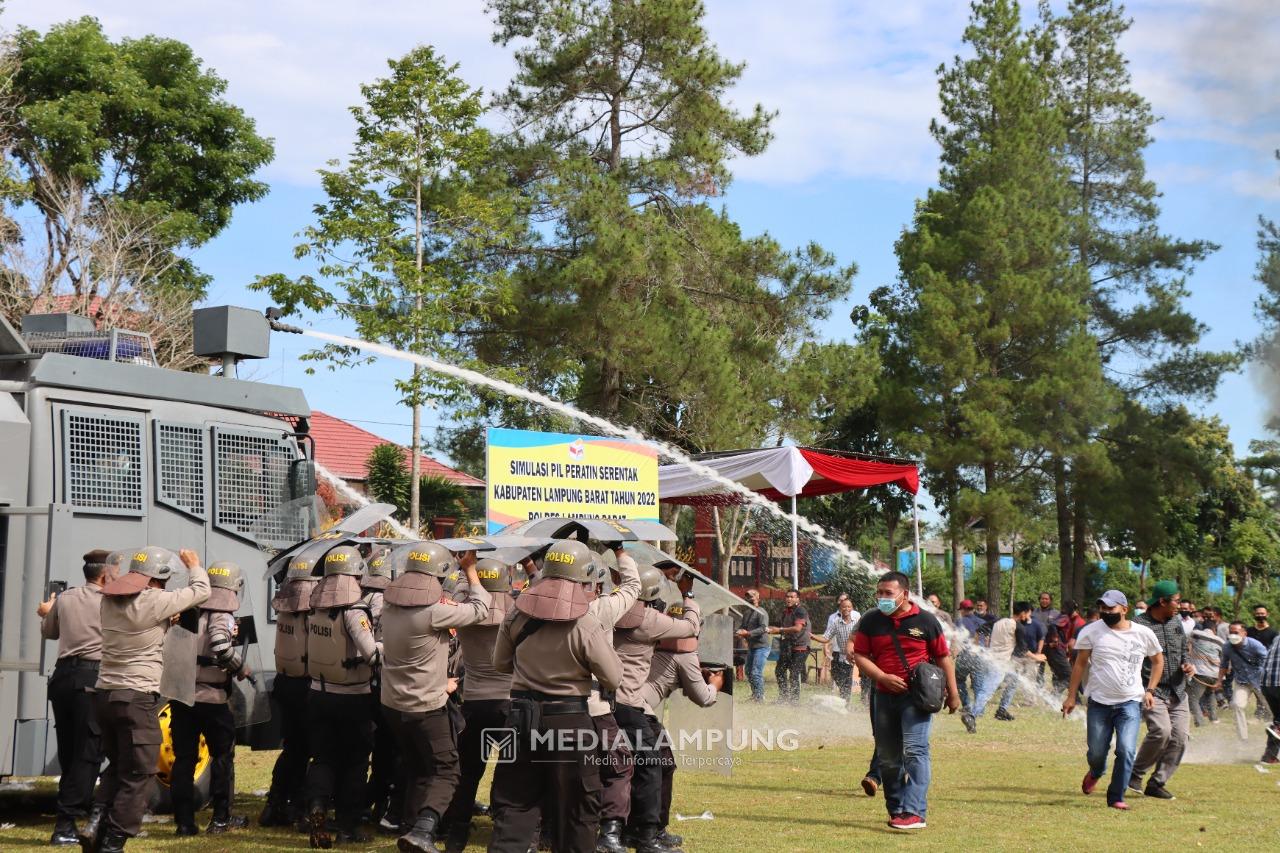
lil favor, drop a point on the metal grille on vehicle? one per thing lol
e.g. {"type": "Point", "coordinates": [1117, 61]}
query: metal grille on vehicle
{"type": "Point", "coordinates": [102, 463]}
{"type": "Point", "coordinates": [116, 345]}
{"type": "Point", "coordinates": [180, 468]}
{"type": "Point", "coordinates": [252, 480]}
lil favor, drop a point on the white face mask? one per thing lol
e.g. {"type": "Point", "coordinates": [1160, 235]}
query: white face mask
{"type": "Point", "coordinates": [1236, 639]}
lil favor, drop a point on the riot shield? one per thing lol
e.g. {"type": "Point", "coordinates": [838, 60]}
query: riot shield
{"type": "Point", "coordinates": [250, 701]}
{"type": "Point", "coordinates": [701, 738]}
{"type": "Point", "coordinates": [181, 645]}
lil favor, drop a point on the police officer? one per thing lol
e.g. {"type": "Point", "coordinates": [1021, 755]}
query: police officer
{"type": "Point", "coordinates": [417, 619]}
{"type": "Point", "coordinates": [341, 652]}
{"type": "Point", "coordinates": [615, 755]}
{"type": "Point", "coordinates": [634, 637]}
{"type": "Point", "coordinates": [136, 613]}
{"type": "Point", "coordinates": [73, 619]}
{"type": "Point", "coordinates": [218, 660]}
{"type": "Point", "coordinates": [385, 765]}
{"type": "Point", "coordinates": [675, 665]}
{"type": "Point", "coordinates": [553, 646]}
{"type": "Point", "coordinates": [486, 698]}
{"type": "Point", "coordinates": [292, 605]}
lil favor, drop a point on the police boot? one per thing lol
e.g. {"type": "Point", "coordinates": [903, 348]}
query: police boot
{"type": "Point", "coordinates": [184, 819]}
{"type": "Point", "coordinates": [669, 839]}
{"type": "Point", "coordinates": [610, 837]}
{"type": "Point", "coordinates": [316, 827]}
{"type": "Point", "coordinates": [64, 833]}
{"type": "Point", "coordinates": [113, 841]}
{"type": "Point", "coordinates": [226, 823]}
{"type": "Point", "coordinates": [88, 834]}
{"type": "Point", "coordinates": [422, 837]}
{"type": "Point", "coordinates": [647, 842]}
{"type": "Point", "coordinates": [458, 836]}
{"type": "Point", "coordinates": [274, 813]}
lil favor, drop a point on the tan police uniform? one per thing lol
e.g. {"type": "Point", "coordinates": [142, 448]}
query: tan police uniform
{"type": "Point", "coordinates": [634, 638]}
{"type": "Point", "coordinates": [675, 666]}
{"type": "Point", "coordinates": [615, 754]}
{"type": "Point", "coordinates": [341, 653]}
{"type": "Point", "coordinates": [218, 660]}
{"type": "Point", "coordinates": [135, 618]}
{"type": "Point", "coordinates": [417, 617]}
{"type": "Point", "coordinates": [286, 799]}
{"type": "Point", "coordinates": [554, 647]}
{"type": "Point", "coordinates": [385, 797]}
{"type": "Point", "coordinates": [75, 621]}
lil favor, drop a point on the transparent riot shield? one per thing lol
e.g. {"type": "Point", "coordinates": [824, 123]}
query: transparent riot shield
{"type": "Point", "coordinates": [702, 739]}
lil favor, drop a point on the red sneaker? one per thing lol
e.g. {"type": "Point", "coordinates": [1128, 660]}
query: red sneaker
{"type": "Point", "coordinates": [1119, 804]}
{"type": "Point", "coordinates": [1089, 783]}
{"type": "Point", "coordinates": [906, 821]}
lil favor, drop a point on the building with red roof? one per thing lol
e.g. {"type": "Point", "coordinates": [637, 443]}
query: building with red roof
{"type": "Point", "coordinates": [343, 448]}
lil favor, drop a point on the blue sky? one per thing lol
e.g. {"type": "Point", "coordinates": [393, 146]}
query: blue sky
{"type": "Point", "coordinates": [854, 84]}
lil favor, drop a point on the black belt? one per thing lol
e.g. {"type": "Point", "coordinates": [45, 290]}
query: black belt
{"type": "Point", "coordinates": [552, 704]}
{"type": "Point", "coordinates": [78, 662]}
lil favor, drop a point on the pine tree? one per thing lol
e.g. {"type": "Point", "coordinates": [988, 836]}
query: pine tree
{"type": "Point", "coordinates": [986, 325]}
{"type": "Point", "coordinates": [639, 301]}
{"type": "Point", "coordinates": [1146, 338]}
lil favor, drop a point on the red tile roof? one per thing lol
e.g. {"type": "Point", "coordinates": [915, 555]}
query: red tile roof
{"type": "Point", "coordinates": [344, 448]}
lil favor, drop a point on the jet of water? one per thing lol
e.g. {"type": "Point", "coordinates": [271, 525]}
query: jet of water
{"type": "Point", "coordinates": [957, 638]}
{"type": "Point", "coordinates": [473, 377]}
{"type": "Point", "coordinates": [360, 500]}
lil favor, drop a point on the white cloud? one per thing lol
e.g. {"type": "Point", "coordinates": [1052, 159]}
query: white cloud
{"type": "Point", "coordinates": [853, 82]}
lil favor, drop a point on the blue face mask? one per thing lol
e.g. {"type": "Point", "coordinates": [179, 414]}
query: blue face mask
{"type": "Point", "coordinates": [887, 605]}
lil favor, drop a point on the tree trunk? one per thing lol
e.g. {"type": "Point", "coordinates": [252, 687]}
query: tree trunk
{"type": "Point", "coordinates": [1063, 506]}
{"type": "Point", "coordinates": [891, 523]}
{"type": "Point", "coordinates": [415, 467]}
{"type": "Point", "coordinates": [953, 536]}
{"type": "Point", "coordinates": [993, 535]}
{"type": "Point", "coordinates": [1080, 551]}
{"type": "Point", "coordinates": [415, 443]}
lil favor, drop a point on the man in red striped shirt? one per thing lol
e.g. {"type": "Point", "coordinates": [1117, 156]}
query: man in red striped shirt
{"type": "Point", "coordinates": [901, 729]}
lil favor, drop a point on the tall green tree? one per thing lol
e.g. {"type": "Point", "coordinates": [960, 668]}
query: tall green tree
{"type": "Point", "coordinates": [987, 334]}
{"type": "Point", "coordinates": [139, 126]}
{"type": "Point", "coordinates": [409, 241]}
{"type": "Point", "coordinates": [638, 300]}
{"type": "Point", "coordinates": [1146, 338]}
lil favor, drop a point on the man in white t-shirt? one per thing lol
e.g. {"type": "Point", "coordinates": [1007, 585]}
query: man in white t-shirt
{"type": "Point", "coordinates": [1113, 649]}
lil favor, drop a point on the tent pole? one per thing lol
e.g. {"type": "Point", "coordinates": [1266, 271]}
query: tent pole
{"type": "Point", "coordinates": [915, 523]}
{"type": "Point", "coordinates": [795, 547]}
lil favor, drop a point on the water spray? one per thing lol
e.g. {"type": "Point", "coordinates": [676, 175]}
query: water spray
{"type": "Point", "coordinates": [958, 638]}
{"type": "Point", "coordinates": [475, 378]}
{"type": "Point", "coordinates": [351, 494]}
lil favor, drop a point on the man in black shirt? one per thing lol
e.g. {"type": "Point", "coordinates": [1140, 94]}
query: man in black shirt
{"type": "Point", "coordinates": [793, 647]}
{"type": "Point", "coordinates": [1261, 629]}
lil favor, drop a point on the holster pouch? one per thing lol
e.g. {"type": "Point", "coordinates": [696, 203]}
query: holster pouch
{"type": "Point", "coordinates": [524, 718]}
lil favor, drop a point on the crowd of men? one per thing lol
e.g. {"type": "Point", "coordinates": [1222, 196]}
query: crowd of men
{"type": "Point", "coordinates": [402, 671]}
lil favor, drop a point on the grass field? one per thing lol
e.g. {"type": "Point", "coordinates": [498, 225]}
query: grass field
{"type": "Point", "coordinates": [1012, 786]}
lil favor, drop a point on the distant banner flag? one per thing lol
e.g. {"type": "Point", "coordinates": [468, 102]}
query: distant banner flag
{"type": "Point", "coordinates": [540, 474]}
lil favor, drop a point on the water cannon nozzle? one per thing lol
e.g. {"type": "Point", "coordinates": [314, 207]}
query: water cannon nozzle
{"type": "Point", "coordinates": [273, 320]}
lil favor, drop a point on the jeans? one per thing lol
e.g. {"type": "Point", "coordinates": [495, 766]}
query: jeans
{"type": "Point", "coordinates": [790, 667]}
{"type": "Point", "coordinates": [873, 769]}
{"type": "Point", "coordinates": [985, 682]}
{"type": "Point", "coordinates": [902, 748]}
{"type": "Point", "coordinates": [1010, 685]}
{"type": "Point", "coordinates": [1122, 720]}
{"type": "Point", "coordinates": [1196, 690]}
{"type": "Point", "coordinates": [842, 675]}
{"type": "Point", "coordinates": [755, 671]}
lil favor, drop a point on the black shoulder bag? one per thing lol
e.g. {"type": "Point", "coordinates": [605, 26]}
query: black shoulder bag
{"type": "Point", "coordinates": [926, 683]}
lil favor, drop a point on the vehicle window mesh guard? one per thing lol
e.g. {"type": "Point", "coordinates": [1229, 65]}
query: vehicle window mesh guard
{"type": "Point", "coordinates": [102, 463]}
{"type": "Point", "coordinates": [252, 480]}
{"type": "Point", "coordinates": [180, 468]}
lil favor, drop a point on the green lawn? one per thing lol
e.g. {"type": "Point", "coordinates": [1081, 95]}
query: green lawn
{"type": "Point", "coordinates": [1013, 786]}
